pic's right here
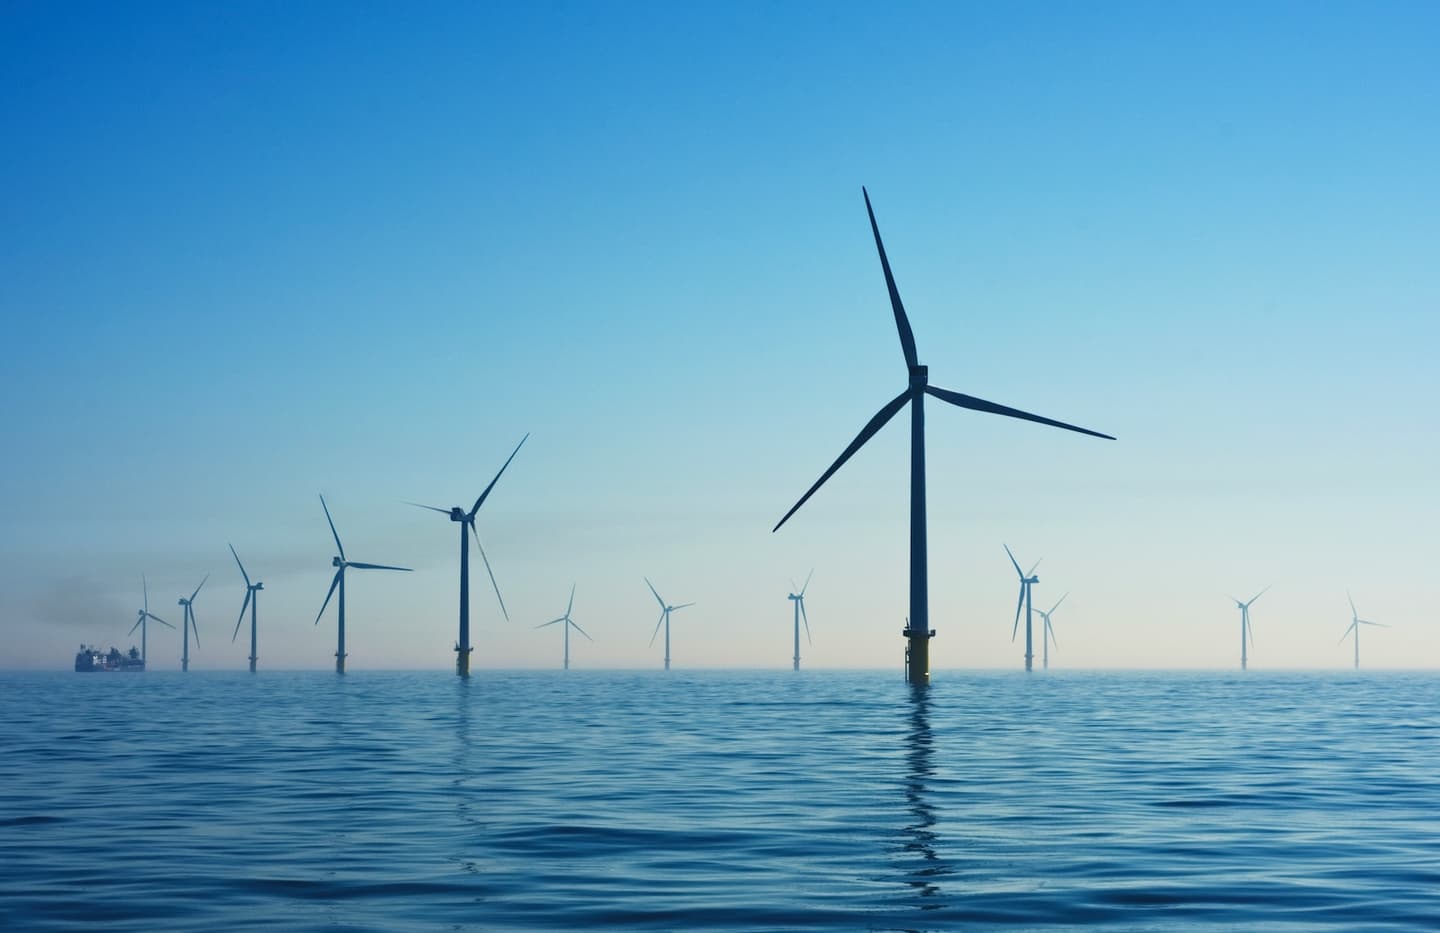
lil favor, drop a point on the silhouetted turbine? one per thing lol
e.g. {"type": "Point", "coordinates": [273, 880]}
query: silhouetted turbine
{"type": "Point", "coordinates": [569, 623]}
{"type": "Point", "coordinates": [341, 564]}
{"type": "Point", "coordinates": [917, 630]}
{"type": "Point", "coordinates": [1027, 580]}
{"type": "Point", "coordinates": [1355, 623]}
{"type": "Point", "coordinates": [1048, 633]}
{"type": "Point", "coordinates": [467, 520]}
{"type": "Point", "coordinates": [799, 600]}
{"type": "Point", "coordinates": [143, 615]}
{"type": "Point", "coordinates": [252, 600]}
{"type": "Point", "coordinates": [187, 626]}
{"type": "Point", "coordinates": [1245, 628]}
{"type": "Point", "coordinates": [664, 618]}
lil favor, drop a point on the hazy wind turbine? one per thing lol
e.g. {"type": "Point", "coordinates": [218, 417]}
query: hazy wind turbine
{"type": "Point", "coordinates": [467, 520]}
{"type": "Point", "coordinates": [1355, 623]}
{"type": "Point", "coordinates": [1245, 628]}
{"type": "Point", "coordinates": [917, 630]}
{"type": "Point", "coordinates": [252, 600]}
{"type": "Point", "coordinates": [569, 623]}
{"type": "Point", "coordinates": [799, 600]}
{"type": "Point", "coordinates": [187, 626]}
{"type": "Point", "coordinates": [665, 611]}
{"type": "Point", "coordinates": [1047, 633]}
{"type": "Point", "coordinates": [143, 615]}
{"type": "Point", "coordinates": [1027, 580]}
{"type": "Point", "coordinates": [341, 564]}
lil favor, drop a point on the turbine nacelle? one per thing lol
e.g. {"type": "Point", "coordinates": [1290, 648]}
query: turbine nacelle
{"type": "Point", "coordinates": [257, 586]}
{"type": "Point", "coordinates": [183, 602]}
{"type": "Point", "coordinates": [337, 562]}
{"type": "Point", "coordinates": [919, 377]}
{"type": "Point", "coordinates": [457, 514]}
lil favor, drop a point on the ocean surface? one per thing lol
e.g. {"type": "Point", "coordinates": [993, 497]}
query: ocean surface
{"type": "Point", "coordinates": [719, 800]}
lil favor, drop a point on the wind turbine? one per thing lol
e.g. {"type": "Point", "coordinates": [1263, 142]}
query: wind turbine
{"type": "Point", "coordinates": [467, 520]}
{"type": "Point", "coordinates": [1049, 632]}
{"type": "Point", "coordinates": [143, 615]}
{"type": "Point", "coordinates": [341, 564]}
{"type": "Point", "coordinates": [1245, 628]}
{"type": "Point", "coordinates": [187, 626]}
{"type": "Point", "coordinates": [799, 600]}
{"type": "Point", "coordinates": [1355, 623]}
{"type": "Point", "coordinates": [252, 600]}
{"type": "Point", "coordinates": [569, 623]}
{"type": "Point", "coordinates": [1027, 580]}
{"type": "Point", "coordinates": [665, 618]}
{"type": "Point", "coordinates": [917, 630]}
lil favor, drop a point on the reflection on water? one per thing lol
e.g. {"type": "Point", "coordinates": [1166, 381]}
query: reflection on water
{"type": "Point", "coordinates": [920, 836]}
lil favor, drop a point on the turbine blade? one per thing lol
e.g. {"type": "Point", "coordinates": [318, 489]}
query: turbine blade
{"type": "Point", "coordinates": [1348, 630]}
{"type": "Point", "coordinates": [340, 547]}
{"type": "Point", "coordinates": [155, 618]}
{"type": "Point", "coordinates": [979, 404]}
{"type": "Point", "coordinates": [806, 620]}
{"type": "Point", "coordinates": [433, 508]}
{"type": "Point", "coordinates": [240, 565]}
{"type": "Point", "coordinates": [481, 501]}
{"type": "Point", "coordinates": [902, 322]}
{"type": "Point", "coordinates": [333, 583]}
{"type": "Point", "coordinates": [503, 611]}
{"type": "Point", "coordinates": [550, 623]}
{"type": "Point", "coordinates": [1050, 630]}
{"type": "Point", "coordinates": [1031, 571]}
{"type": "Point", "coordinates": [580, 630]}
{"type": "Point", "coordinates": [195, 626]}
{"type": "Point", "coordinates": [807, 582]}
{"type": "Point", "coordinates": [657, 629]}
{"type": "Point", "coordinates": [681, 606]}
{"type": "Point", "coordinates": [1251, 629]}
{"type": "Point", "coordinates": [1018, 606]}
{"type": "Point", "coordinates": [358, 566]}
{"type": "Point", "coordinates": [652, 590]}
{"type": "Point", "coordinates": [145, 588]}
{"type": "Point", "coordinates": [1013, 561]}
{"type": "Point", "coordinates": [197, 589]}
{"type": "Point", "coordinates": [867, 432]}
{"type": "Point", "coordinates": [1377, 624]}
{"type": "Point", "coordinates": [1259, 594]}
{"type": "Point", "coordinates": [243, 606]}
{"type": "Point", "coordinates": [571, 604]}
{"type": "Point", "coordinates": [135, 626]}
{"type": "Point", "coordinates": [1057, 603]}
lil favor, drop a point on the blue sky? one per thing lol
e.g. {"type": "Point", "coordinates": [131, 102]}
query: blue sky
{"type": "Point", "coordinates": [255, 253]}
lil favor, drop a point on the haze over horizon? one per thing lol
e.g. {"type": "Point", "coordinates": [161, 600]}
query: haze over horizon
{"type": "Point", "coordinates": [255, 256]}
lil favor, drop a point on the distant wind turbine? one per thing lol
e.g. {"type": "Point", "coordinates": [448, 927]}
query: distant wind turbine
{"type": "Point", "coordinates": [665, 611]}
{"type": "Point", "coordinates": [1027, 580]}
{"type": "Point", "coordinates": [1245, 628]}
{"type": "Point", "coordinates": [341, 564]}
{"type": "Point", "coordinates": [1048, 632]}
{"type": "Point", "coordinates": [799, 600]}
{"type": "Point", "coordinates": [252, 600]}
{"type": "Point", "coordinates": [188, 626]}
{"type": "Point", "coordinates": [145, 614]}
{"type": "Point", "coordinates": [917, 630]}
{"type": "Point", "coordinates": [569, 623]}
{"type": "Point", "coordinates": [467, 520]}
{"type": "Point", "coordinates": [1355, 623]}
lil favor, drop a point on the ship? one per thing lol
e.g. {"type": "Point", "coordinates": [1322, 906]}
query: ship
{"type": "Point", "coordinates": [91, 658]}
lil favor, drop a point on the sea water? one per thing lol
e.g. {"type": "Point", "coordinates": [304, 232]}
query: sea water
{"type": "Point", "coordinates": [719, 800]}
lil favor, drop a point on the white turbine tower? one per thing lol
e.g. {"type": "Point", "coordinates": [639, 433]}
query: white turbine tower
{"type": "Point", "coordinates": [1245, 628]}
{"type": "Point", "coordinates": [799, 600]}
{"type": "Point", "coordinates": [1355, 623]}
{"type": "Point", "coordinates": [1047, 633]}
{"type": "Point", "coordinates": [665, 611]}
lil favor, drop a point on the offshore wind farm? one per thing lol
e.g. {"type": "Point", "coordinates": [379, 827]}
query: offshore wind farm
{"type": "Point", "coordinates": [624, 284]}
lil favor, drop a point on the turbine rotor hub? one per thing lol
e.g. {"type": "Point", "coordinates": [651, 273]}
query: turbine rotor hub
{"type": "Point", "coordinates": [336, 562]}
{"type": "Point", "coordinates": [919, 377]}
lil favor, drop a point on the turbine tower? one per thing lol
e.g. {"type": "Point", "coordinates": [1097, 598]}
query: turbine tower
{"type": "Point", "coordinates": [252, 600]}
{"type": "Point", "coordinates": [799, 600]}
{"type": "Point", "coordinates": [569, 623]}
{"type": "Point", "coordinates": [1048, 632]}
{"type": "Point", "coordinates": [467, 521]}
{"type": "Point", "coordinates": [143, 615]}
{"type": "Point", "coordinates": [1027, 580]}
{"type": "Point", "coordinates": [1355, 623]}
{"type": "Point", "coordinates": [917, 630]}
{"type": "Point", "coordinates": [665, 611]}
{"type": "Point", "coordinates": [341, 565]}
{"type": "Point", "coordinates": [187, 626]}
{"type": "Point", "coordinates": [1245, 628]}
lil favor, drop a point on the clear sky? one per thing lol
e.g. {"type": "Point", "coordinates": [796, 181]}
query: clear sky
{"type": "Point", "coordinates": [251, 253]}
